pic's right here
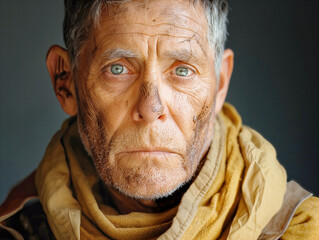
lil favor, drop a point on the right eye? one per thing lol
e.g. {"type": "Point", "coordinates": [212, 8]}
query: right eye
{"type": "Point", "coordinates": [117, 69]}
{"type": "Point", "coordinates": [183, 72]}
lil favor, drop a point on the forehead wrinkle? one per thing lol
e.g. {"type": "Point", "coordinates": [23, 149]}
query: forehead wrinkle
{"type": "Point", "coordinates": [181, 14]}
{"type": "Point", "coordinates": [191, 34]}
{"type": "Point", "coordinates": [123, 8]}
{"type": "Point", "coordinates": [184, 54]}
{"type": "Point", "coordinates": [152, 25]}
{"type": "Point", "coordinates": [150, 35]}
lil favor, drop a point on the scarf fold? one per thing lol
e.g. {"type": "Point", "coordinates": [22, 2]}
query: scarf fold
{"type": "Point", "coordinates": [232, 190]}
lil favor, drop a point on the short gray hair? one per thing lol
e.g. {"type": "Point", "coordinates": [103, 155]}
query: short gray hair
{"type": "Point", "coordinates": [81, 15]}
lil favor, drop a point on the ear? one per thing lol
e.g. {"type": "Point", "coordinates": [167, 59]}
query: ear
{"type": "Point", "coordinates": [226, 70]}
{"type": "Point", "coordinates": [58, 64]}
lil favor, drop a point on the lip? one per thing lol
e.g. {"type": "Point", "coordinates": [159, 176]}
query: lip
{"type": "Point", "coordinates": [156, 151]}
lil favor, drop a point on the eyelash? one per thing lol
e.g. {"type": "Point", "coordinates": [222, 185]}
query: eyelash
{"type": "Point", "coordinates": [191, 71]}
{"type": "Point", "coordinates": [107, 68]}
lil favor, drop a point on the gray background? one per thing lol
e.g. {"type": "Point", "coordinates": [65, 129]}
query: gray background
{"type": "Point", "coordinates": [274, 85]}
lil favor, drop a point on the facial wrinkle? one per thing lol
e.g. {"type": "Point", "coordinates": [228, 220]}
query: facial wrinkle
{"type": "Point", "coordinates": [201, 131]}
{"type": "Point", "coordinates": [160, 24]}
{"type": "Point", "coordinates": [184, 38]}
{"type": "Point", "coordinates": [177, 97]}
{"type": "Point", "coordinates": [88, 117]}
{"type": "Point", "coordinates": [97, 142]}
{"type": "Point", "coordinates": [180, 15]}
{"type": "Point", "coordinates": [203, 120]}
{"type": "Point", "coordinates": [95, 48]}
{"type": "Point", "coordinates": [100, 141]}
{"type": "Point", "coordinates": [151, 35]}
{"type": "Point", "coordinates": [165, 29]}
{"type": "Point", "coordinates": [196, 38]}
{"type": "Point", "coordinates": [204, 113]}
{"type": "Point", "coordinates": [122, 8]}
{"type": "Point", "coordinates": [85, 118]}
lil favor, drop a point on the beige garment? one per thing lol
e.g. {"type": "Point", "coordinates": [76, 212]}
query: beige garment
{"type": "Point", "coordinates": [294, 196]}
{"type": "Point", "coordinates": [305, 223]}
{"type": "Point", "coordinates": [239, 160]}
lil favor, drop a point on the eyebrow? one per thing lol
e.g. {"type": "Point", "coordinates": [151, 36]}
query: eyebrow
{"type": "Point", "coordinates": [118, 53]}
{"type": "Point", "coordinates": [183, 55]}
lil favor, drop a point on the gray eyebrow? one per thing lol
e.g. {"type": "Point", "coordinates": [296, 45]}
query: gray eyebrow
{"type": "Point", "coordinates": [183, 55]}
{"type": "Point", "coordinates": [118, 53]}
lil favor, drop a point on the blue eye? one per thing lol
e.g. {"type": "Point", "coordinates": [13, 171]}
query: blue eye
{"type": "Point", "coordinates": [182, 71]}
{"type": "Point", "coordinates": [117, 69]}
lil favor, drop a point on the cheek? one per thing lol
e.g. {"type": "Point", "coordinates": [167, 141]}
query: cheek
{"type": "Point", "coordinates": [112, 112]}
{"type": "Point", "coordinates": [189, 108]}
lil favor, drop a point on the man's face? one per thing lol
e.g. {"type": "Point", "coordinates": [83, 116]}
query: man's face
{"type": "Point", "coordinates": [146, 89]}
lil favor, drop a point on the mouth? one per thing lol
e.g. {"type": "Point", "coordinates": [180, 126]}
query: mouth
{"type": "Point", "coordinates": [149, 152]}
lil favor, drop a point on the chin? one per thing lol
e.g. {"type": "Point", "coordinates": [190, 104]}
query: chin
{"type": "Point", "coordinates": [146, 182]}
{"type": "Point", "coordinates": [144, 175]}
{"type": "Point", "coordinates": [146, 192]}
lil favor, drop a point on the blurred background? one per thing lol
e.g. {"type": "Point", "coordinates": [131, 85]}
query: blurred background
{"type": "Point", "coordinates": [274, 85]}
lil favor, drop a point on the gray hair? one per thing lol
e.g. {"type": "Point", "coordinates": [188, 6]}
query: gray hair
{"type": "Point", "coordinates": [81, 15]}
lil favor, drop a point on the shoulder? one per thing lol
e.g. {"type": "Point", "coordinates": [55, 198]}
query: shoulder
{"type": "Point", "coordinates": [305, 222]}
{"type": "Point", "coordinates": [298, 216]}
{"type": "Point", "coordinates": [21, 214]}
{"type": "Point", "coordinates": [30, 222]}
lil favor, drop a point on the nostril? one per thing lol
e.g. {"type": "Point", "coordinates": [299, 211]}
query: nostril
{"type": "Point", "coordinates": [162, 117]}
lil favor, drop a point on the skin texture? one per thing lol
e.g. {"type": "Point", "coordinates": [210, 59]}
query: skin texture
{"type": "Point", "coordinates": [146, 129]}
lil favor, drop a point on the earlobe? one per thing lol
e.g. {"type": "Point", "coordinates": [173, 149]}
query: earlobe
{"type": "Point", "coordinates": [58, 64]}
{"type": "Point", "coordinates": [226, 70]}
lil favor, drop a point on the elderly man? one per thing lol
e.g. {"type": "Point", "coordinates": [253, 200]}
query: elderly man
{"type": "Point", "coordinates": [152, 151]}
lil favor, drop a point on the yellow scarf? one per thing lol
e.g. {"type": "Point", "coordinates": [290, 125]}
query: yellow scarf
{"type": "Point", "coordinates": [232, 194]}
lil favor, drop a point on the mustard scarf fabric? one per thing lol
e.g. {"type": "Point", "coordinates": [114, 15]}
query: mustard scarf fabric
{"type": "Point", "coordinates": [232, 196]}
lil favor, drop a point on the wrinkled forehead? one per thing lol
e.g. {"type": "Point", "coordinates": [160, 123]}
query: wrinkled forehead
{"type": "Point", "coordinates": [174, 18]}
{"type": "Point", "coordinates": [155, 10]}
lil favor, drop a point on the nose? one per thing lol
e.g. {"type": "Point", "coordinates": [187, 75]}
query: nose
{"type": "Point", "coordinates": [149, 107]}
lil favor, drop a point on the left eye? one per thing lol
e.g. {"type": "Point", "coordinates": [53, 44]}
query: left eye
{"type": "Point", "coordinates": [118, 69]}
{"type": "Point", "coordinates": [183, 72]}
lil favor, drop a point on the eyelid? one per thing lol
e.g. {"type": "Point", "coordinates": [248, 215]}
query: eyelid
{"type": "Point", "coordinates": [107, 67]}
{"type": "Point", "coordinates": [179, 63]}
{"type": "Point", "coordinates": [192, 69]}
